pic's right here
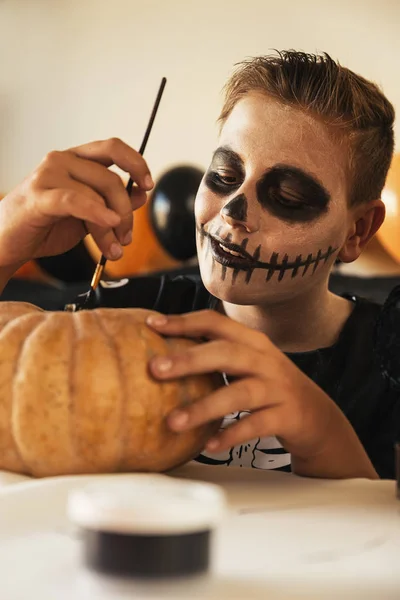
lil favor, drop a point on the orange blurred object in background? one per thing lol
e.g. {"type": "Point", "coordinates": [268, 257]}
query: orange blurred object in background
{"type": "Point", "coordinates": [32, 271]}
{"type": "Point", "coordinates": [389, 233]}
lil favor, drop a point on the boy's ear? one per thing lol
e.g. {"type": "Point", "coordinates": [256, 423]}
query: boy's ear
{"type": "Point", "coordinates": [367, 220]}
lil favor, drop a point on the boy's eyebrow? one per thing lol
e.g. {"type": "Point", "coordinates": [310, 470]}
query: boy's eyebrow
{"type": "Point", "coordinates": [230, 156]}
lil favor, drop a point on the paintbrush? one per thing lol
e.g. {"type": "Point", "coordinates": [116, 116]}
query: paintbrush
{"type": "Point", "coordinates": [85, 300]}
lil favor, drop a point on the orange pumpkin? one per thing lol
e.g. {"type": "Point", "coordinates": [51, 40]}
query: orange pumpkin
{"type": "Point", "coordinates": [76, 395]}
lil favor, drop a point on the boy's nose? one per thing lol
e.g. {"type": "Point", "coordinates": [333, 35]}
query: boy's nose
{"type": "Point", "coordinates": [237, 214]}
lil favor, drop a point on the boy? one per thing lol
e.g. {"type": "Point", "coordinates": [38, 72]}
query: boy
{"type": "Point", "coordinates": [294, 185]}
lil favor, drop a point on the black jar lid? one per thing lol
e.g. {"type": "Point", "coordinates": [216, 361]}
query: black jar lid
{"type": "Point", "coordinates": [147, 525]}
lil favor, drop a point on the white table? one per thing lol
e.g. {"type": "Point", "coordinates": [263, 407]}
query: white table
{"type": "Point", "coordinates": [284, 538]}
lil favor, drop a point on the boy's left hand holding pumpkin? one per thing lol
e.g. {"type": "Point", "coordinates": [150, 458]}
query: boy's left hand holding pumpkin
{"type": "Point", "coordinates": [283, 401]}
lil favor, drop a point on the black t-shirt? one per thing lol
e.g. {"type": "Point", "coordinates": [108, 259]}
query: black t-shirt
{"type": "Point", "coordinates": [360, 372]}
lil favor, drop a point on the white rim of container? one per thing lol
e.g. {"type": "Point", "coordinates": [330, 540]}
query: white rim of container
{"type": "Point", "coordinates": [147, 505]}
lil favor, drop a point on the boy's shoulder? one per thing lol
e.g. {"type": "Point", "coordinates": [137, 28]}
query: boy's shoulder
{"type": "Point", "coordinates": [373, 333]}
{"type": "Point", "coordinates": [387, 337]}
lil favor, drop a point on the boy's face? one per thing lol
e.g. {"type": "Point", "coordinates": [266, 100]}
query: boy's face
{"type": "Point", "coordinates": [271, 211]}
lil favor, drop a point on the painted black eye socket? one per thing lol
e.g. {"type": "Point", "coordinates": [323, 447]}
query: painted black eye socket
{"type": "Point", "coordinates": [227, 180]}
{"type": "Point", "coordinates": [222, 183]}
{"type": "Point", "coordinates": [287, 202]}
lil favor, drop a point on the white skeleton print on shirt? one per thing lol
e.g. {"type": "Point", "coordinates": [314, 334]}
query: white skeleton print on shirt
{"type": "Point", "coordinates": [260, 453]}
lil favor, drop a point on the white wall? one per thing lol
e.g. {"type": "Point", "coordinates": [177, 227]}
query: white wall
{"type": "Point", "coordinates": [76, 70]}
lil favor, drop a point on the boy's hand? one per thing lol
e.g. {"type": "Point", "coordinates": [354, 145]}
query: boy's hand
{"type": "Point", "coordinates": [283, 401]}
{"type": "Point", "coordinates": [70, 194]}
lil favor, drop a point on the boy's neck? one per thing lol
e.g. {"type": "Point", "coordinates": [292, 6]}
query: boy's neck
{"type": "Point", "coordinates": [300, 325]}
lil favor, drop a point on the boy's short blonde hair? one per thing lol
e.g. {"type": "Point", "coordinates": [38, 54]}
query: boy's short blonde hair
{"type": "Point", "coordinates": [345, 101]}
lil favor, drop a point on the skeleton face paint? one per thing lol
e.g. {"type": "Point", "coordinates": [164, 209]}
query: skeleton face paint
{"type": "Point", "coordinates": [236, 209]}
{"type": "Point", "coordinates": [237, 258]}
{"type": "Point", "coordinates": [292, 195]}
{"type": "Point", "coordinates": [271, 211]}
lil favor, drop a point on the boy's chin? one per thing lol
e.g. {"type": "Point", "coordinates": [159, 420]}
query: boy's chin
{"type": "Point", "coordinates": [257, 292]}
{"type": "Point", "coordinates": [234, 294]}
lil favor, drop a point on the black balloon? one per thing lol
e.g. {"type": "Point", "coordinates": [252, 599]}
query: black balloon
{"type": "Point", "coordinates": [172, 211]}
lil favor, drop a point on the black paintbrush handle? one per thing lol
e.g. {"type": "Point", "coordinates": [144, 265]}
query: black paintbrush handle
{"type": "Point", "coordinates": [103, 260]}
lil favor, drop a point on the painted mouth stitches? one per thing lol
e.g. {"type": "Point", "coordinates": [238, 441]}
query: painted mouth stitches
{"type": "Point", "coordinates": [248, 263]}
{"type": "Point", "coordinates": [254, 263]}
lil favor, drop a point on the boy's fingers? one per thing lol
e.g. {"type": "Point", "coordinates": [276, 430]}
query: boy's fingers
{"type": "Point", "coordinates": [69, 168]}
{"type": "Point", "coordinates": [109, 186]}
{"type": "Point", "coordinates": [106, 241]}
{"type": "Point", "coordinates": [115, 152]}
{"type": "Point", "coordinates": [246, 394]}
{"type": "Point", "coordinates": [138, 197]}
{"type": "Point", "coordinates": [212, 325]}
{"type": "Point", "coordinates": [67, 202]}
{"type": "Point", "coordinates": [262, 423]}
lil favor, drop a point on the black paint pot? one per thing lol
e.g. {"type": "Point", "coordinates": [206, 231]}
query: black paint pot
{"type": "Point", "coordinates": [147, 526]}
